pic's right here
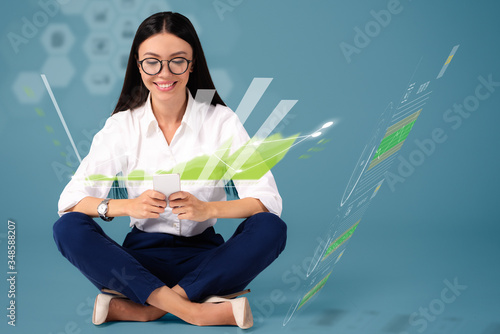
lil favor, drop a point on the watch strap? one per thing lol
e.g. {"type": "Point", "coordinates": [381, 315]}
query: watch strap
{"type": "Point", "coordinates": [102, 215]}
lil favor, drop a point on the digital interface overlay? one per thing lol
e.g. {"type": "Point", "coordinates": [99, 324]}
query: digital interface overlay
{"type": "Point", "coordinates": [391, 130]}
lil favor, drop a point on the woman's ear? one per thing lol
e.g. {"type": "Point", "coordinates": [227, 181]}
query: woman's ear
{"type": "Point", "coordinates": [137, 62]}
{"type": "Point", "coordinates": [192, 67]}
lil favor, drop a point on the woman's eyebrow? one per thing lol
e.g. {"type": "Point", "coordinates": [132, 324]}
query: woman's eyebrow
{"type": "Point", "coordinates": [152, 54]}
{"type": "Point", "coordinates": [173, 54]}
{"type": "Point", "coordinates": [179, 53]}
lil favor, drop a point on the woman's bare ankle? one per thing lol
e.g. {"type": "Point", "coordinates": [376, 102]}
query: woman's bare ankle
{"type": "Point", "coordinates": [180, 291]}
{"type": "Point", "coordinates": [127, 310]}
{"type": "Point", "coordinates": [211, 314]}
{"type": "Point", "coordinates": [206, 314]}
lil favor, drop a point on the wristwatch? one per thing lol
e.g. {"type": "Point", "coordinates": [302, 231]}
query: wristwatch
{"type": "Point", "coordinates": [102, 209]}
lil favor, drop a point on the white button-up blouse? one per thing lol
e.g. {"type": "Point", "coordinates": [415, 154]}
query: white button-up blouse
{"type": "Point", "coordinates": [132, 141]}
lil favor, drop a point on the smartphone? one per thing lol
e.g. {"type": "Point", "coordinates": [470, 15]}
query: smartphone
{"type": "Point", "coordinates": [167, 183]}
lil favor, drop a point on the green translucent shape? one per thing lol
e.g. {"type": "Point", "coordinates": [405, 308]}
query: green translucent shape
{"type": "Point", "coordinates": [256, 158]}
{"type": "Point", "coordinates": [216, 163]}
{"type": "Point", "coordinates": [136, 175]}
{"type": "Point", "coordinates": [314, 290]}
{"type": "Point", "coordinates": [195, 167]}
{"type": "Point", "coordinates": [315, 149]}
{"type": "Point", "coordinates": [393, 139]}
{"type": "Point", "coordinates": [56, 142]}
{"type": "Point", "coordinates": [263, 155]}
{"type": "Point", "coordinates": [49, 129]}
{"type": "Point", "coordinates": [323, 141]}
{"type": "Point", "coordinates": [304, 156]}
{"type": "Point", "coordinates": [340, 240]}
{"type": "Point", "coordinates": [99, 177]}
{"type": "Point", "coordinates": [29, 92]}
{"type": "Point", "coordinates": [39, 111]}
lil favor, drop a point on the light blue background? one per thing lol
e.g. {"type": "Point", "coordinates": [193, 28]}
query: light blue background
{"type": "Point", "coordinates": [440, 224]}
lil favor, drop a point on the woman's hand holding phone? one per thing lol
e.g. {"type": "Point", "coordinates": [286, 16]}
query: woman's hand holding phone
{"type": "Point", "coordinates": [149, 204]}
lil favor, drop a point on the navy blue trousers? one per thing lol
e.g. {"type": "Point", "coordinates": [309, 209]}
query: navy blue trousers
{"type": "Point", "coordinates": [202, 265]}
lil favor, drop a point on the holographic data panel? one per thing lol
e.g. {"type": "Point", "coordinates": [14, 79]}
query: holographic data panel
{"type": "Point", "coordinates": [391, 130]}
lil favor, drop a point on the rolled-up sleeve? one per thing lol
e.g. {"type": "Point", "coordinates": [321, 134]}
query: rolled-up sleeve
{"type": "Point", "coordinates": [263, 189]}
{"type": "Point", "coordinates": [92, 178]}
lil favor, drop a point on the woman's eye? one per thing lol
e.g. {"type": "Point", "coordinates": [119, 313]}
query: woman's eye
{"type": "Point", "coordinates": [151, 62]}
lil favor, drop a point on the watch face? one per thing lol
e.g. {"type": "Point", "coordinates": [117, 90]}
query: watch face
{"type": "Point", "coordinates": [101, 209]}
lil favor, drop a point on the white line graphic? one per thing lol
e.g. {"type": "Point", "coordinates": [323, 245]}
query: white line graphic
{"type": "Point", "coordinates": [49, 90]}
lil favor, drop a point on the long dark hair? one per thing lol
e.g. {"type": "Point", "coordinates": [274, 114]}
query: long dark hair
{"type": "Point", "coordinates": [134, 93]}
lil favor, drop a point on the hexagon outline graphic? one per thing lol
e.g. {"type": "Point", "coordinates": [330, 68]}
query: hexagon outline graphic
{"type": "Point", "coordinates": [99, 79]}
{"type": "Point", "coordinates": [124, 29]}
{"type": "Point", "coordinates": [119, 62]}
{"type": "Point", "coordinates": [99, 46]}
{"type": "Point", "coordinates": [28, 87]}
{"type": "Point", "coordinates": [99, 15]}
{"type": "Point", "coordinates": [59, 71]}
{"type": "Point", "coordinates": [57, 39]}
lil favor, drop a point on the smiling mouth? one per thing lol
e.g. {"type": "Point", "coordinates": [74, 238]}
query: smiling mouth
{"type": "Point", "coordinates": [164, 86]}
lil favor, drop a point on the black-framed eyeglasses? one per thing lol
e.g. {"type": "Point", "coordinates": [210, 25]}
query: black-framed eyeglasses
{"type": "Point", "coordinates": [153, 66]}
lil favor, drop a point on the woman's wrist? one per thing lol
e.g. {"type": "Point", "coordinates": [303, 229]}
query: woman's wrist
{"type": "Point", "coordinates": [118, 207]}
{"type": "Point", "coordinates": [240, 208]}
{"type": "Point", "coordinates": [211, 209]}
